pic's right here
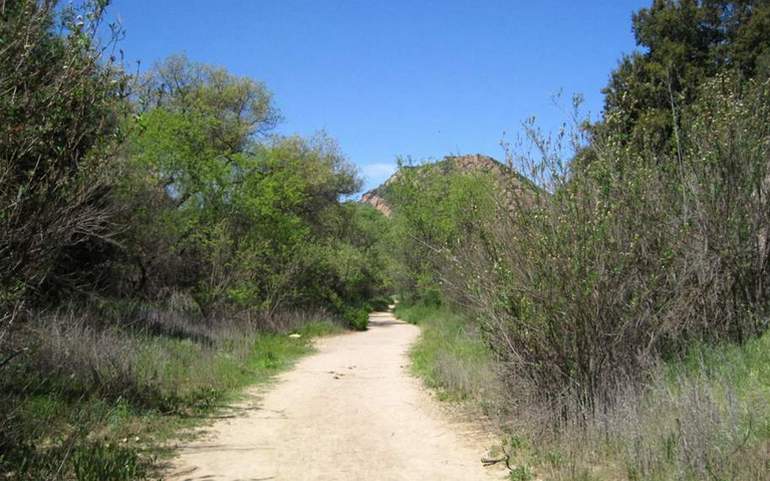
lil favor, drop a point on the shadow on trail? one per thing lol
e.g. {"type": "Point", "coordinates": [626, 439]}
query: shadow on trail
{"type": "Point", "coordinates": [383, 319]}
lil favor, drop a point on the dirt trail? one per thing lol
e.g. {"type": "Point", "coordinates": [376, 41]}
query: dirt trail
{"type": "Point", "coordinates": [349, 412]}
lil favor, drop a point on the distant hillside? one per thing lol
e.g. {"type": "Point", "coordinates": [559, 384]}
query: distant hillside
{"type": "Point", "coordinates": [378, 197]}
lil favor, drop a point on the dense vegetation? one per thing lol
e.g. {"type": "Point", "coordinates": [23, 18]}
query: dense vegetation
{"type": "Point", "coordinates": [703, 416]}
{"type": "Point", "coordinates": [155, 237]}
{"type": "Point", "coordinates": [643, 250]}
{"type": "Point", "coordinates": [606, 305]}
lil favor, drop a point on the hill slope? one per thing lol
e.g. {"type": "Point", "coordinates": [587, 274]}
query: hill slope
{"type": "Point", "coordinates": [510, 179]}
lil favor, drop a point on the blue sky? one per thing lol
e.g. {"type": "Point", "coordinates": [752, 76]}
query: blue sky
{"type": "Point", "coordinates": [390, 78]}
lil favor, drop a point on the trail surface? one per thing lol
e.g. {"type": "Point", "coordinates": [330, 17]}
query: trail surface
{"type": "Point", "coordinates": [350, 412]}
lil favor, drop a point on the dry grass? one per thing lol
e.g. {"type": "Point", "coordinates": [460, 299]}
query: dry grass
{"type": "Point", "coordinates": [703, 418]}
{"type": "Point", "coordinates": [108, 383]}
{"type": "Point", "coordinates": [687, 427]}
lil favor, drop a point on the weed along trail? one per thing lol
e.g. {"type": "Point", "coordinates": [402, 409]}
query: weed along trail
{"type": "Point", "coordinates": [349, 412]}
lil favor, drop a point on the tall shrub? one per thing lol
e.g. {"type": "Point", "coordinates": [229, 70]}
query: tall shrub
{"type": "Point", "coordinates": [60, 110]}
{"type": "Point", "coordinates": [629, 257]}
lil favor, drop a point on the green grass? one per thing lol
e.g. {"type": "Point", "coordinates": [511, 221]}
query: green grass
{"type": "Point", "coordinates": [450, 355]}
{"type": "Point", "coordinates": [194, 374]}
{"type": "Point", "coordinates": [703, 418]}
{"type": "Point", "coordinates": [746, 366]}
{"type": "Point", "coordinates": [171, 385]}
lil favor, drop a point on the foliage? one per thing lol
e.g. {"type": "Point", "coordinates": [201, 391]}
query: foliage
{"type": "Point", "coordinates": [151, 264]}
{"type": "Point", "coordinates": [649, 240]}
{"type": "Point", "coordinates": [61, 103]}
{"type": "Point", "coordinates": [582, 286]}
{"type": "Point", "coordinates": [436, 211]}
{"type": "Point", "coordinates": [104, 462]}
{"type": "Point", "coordinates": [380, 304]}
{"type": "Point", "coordinates": [90, 397]}
{"type": "Point", "coordinates": [582, 290]}
{"type": "Point", "coordinates": [706, 416]}
{"type": "Point", "coordinates": [684, 43]}
{"type": "Point", "coordinates": [521, 473]}
{"type": "Point", "coordinates": [159, 257]}
{"type": "Point", "coordinates": [357, 318]}
{"type": "Point", "coordinates": [240, 221]}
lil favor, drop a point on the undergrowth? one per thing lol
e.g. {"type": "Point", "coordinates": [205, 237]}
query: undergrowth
{"type": "Point", "coordinates": [88, 403]}
{"type": "Point", "coordinates": [450, 356]}
{"type": "Point", "coordinates": [703, 417]}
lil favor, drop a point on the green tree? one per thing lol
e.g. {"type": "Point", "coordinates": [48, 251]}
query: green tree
{"type": "Point", "coordinates": [438, 209]}
{"type": "Point", "coordinates": [241, 219]}
{"type": "Point", "coordinates": [683, 43]}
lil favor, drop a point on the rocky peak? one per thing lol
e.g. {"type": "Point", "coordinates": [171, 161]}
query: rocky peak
{"type": "Point", "coordinates": [462, 163]}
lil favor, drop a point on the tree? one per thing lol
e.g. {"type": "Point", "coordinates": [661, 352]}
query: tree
{"type": "Point", "coordinates": [226, 212]}
{"type": "Point", "coordinates": [684, 43]}
{"type": "Point", "coordinates": [437, 209]}
{"type": "Point", "coordinates": [61, 105]}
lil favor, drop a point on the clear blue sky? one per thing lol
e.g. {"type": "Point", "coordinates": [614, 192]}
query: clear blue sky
{"type": "Point", "coordinates": [388, 78]}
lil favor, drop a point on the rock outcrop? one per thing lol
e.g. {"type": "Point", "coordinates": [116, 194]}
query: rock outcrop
{"type": "Point", "coordinates": [372, 198]}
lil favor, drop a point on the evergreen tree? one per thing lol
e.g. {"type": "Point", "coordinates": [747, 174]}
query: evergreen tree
{"type": "Point", "coordinates": [683, 43]}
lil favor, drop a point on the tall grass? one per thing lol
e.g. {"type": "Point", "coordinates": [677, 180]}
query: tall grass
{"type": "Point", "coordinates": [704, 417]}
{"type": "Point", "coordinates": [451, 355]}
{"type": "Point", "coordinates": [93, 398]}
{"type": "Point", "coordinates": [626, 257]}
